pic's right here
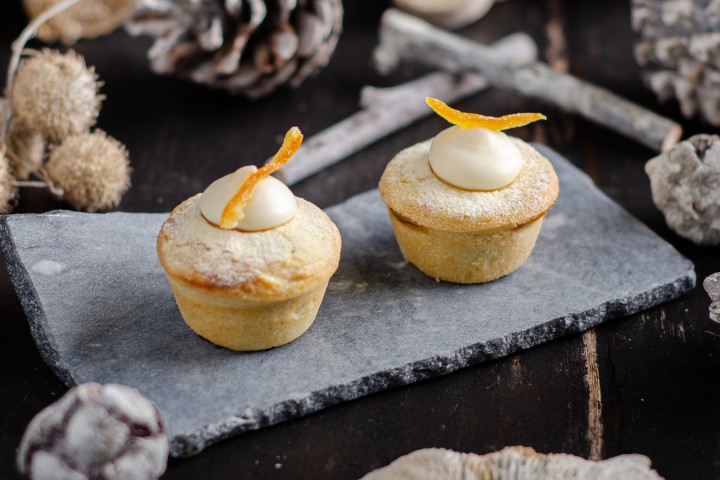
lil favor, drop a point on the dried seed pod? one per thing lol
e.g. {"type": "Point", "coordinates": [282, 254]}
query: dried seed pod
{"type": "Point", "coordinates": [96, 432]}
{"type": "Point", "coordinates": [512, 463]}
{"type": "Point", "coordinates": [447, 13]}
{"type": "Point", "coordinates": [712, 287]}
{"type": "Point", "coordinates": [90, 169]}
{"type": "Point", "coordinates": [87, 19]}
{"type": "Point", "coordinates": [7, 190]}
{"type": "Point", "coordinates": [685, 183]}
{"type": "Point", "coordinates": [56, 93]}
{"type": "Point", "coordinates": [25, 149]}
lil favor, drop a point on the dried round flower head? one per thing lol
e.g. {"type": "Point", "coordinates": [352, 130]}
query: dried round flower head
{"type": "Point", "coordinates": [96, 432]}
{"type": "Point", "coordinates": [91, 170]}
{"type": "Point", "coordinates": [25, 149]}
{"type": "Point", "coordinates": [87, 19]}
{"type": "Point", "coordinates": [7, 190]}
{"type": "Point", "coordinates": [56, 93]}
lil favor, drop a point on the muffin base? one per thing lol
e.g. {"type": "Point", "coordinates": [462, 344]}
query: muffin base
{"type": "Point", "coordinates": [465, 257]}
{"type": "Point", "coordinates": [245, 324]}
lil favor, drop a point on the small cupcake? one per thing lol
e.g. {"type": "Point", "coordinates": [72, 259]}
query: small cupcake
{"type": "Point", "coordinates": [247, 261]}
{"type": "Point", "coordinates": [467, 206]}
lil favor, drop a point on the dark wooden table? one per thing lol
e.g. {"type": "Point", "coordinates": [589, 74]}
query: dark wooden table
{"type": "Point", "coordinates": [644, 384]}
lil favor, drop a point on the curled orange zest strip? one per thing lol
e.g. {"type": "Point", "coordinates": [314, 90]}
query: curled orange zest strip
{"type": "Point", "coordinates": [234, 211]}
{"type": "Point", "coordinates": [473, 120]}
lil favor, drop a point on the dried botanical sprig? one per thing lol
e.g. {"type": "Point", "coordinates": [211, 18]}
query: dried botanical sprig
{"type": "Point", "coordinates": [91, 170]}
{"type": "Point", "coordinates": [53, 98]}
{"type": "Point", "coordinates": [56, 93]}
{"type": "Point", "coordinates": [88, 19]}
{"type": "Point", "coordinates": [25, 149]}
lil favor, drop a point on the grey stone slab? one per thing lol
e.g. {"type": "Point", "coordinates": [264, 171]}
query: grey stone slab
{"type": "Point", "coordinates": [100, 310]}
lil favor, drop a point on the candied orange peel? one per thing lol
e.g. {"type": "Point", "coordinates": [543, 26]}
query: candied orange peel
{"type": "Point", "coordinates": [234, 211]}
{"type": "Point", "coordinates": [474, 120]}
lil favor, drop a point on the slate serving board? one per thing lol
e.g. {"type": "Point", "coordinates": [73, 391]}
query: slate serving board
{"type": "Point", "coordinates": [100, 309]}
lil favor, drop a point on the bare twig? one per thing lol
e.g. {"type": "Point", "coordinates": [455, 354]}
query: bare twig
{"type": "Point", "coordinates": [387, 110]}
{"type": "Point", "coordinates": [404, 37]}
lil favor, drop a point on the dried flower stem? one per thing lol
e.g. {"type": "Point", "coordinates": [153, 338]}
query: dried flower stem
{"type": "Point", "coordinates": [29, 184]}
{"type": "Point", "coordinates": [387, 110]}
{"type": "Point", "coordinates": [404, 37]}
{"type": "Point", "coordinates": [18, 47]}
{"type": "Point", "coordinates": [28, 33]}
{"type": "Point", "coordinates": [46, 184]}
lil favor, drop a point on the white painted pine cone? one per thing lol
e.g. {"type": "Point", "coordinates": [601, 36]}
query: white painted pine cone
{"type": "Point", "coordinates": [96, 432]}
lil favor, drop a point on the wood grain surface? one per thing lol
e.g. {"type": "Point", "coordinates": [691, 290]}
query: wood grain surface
{"type": "Point", "coordinates": [643, 384]}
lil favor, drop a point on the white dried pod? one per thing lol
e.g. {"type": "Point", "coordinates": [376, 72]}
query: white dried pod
{"type": "Point", "coordinates": [712, 287]}
{"type": "Point", "coordinates": [87, 19]}
{"type": "Point", "coordinates": [56, 93]}
{"type": "Point", "coordinates": [7, 191]}
{"type": "Point", "coordinates": [96, 432]}
{"type": "Point", "coordinates": [448, 13]}
{"type": "Point", "coordinates": [685, 183]}
{"type": "Point", "coordinates": [25, 149]}
{"type": "Point", "coordinates": [511, 463]}
{"type": "Point", "coordinates": [90, 170]}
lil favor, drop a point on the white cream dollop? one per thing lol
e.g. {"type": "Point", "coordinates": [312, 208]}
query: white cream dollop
{"type": "Point", "coordinates": [272, 203]}
{"type": "Point", "coordinates": [475, 158]}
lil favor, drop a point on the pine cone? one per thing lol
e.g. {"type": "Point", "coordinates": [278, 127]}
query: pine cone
{"type": "Point", "coordinates": [247, 47]}
{"type": "Point", "coordinates": [679, 51]}
{"type": "Point", "coordinates": [96, 432]}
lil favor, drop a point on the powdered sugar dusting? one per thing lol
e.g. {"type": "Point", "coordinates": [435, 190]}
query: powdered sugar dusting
{"type": "Point", "coordinates": [191, 247]}
{"type": "Point", "coordinates": [410, 188]}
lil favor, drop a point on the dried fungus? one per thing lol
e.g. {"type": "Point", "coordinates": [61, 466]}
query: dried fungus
{"type": "Point", "coordinates": [511, 463]}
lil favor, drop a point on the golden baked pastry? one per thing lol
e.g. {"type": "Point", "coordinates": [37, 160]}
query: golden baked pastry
{"type": "Point", "coordinates": [249, 290]}
{"type": "Point", "coordinates": [460, 235]}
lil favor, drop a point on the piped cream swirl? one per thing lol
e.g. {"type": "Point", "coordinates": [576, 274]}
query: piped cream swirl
{"type": "Point", "coordinates": [475, 158]}
{"type": "Point", "coordinates": [272, 203]}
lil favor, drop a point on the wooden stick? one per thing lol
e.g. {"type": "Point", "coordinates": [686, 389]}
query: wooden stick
{"type": "Point", "coordinates": [404, 37]}
{"type": "Point", "coordinates": [387, 110]}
